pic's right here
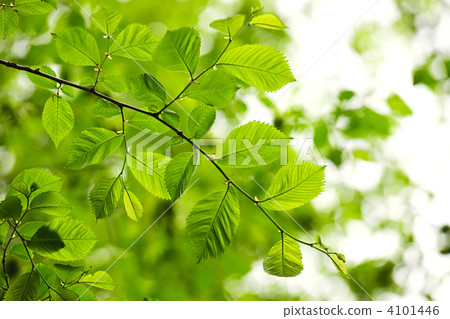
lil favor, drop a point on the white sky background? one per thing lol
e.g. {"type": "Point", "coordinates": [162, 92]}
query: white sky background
{"type": "Point", "coordinates": [324, 63]}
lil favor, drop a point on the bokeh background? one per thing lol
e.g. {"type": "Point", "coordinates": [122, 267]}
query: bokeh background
{"type": "Point", "coordinates": [371, 101]}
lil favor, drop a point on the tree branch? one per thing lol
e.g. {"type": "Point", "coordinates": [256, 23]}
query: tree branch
{"type": "Point", "coordinates": [180, 133]}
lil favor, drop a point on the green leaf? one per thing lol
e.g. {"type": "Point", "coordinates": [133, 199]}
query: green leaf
{"type": "Point", "coordinates": [78, 47]}
{"type": "Point", "coordinates": [49, 275]}
{"type": "Point", "coordinates": [178, 174]}
{"type": "Point", "coordinates": [105, 195]}
{"type": "Point", "coordinates": [57, 118]}
{"type": "Point", "coordinates": [100, 279]}
{"type": "Point", "coordinates": [104, 109]}
{"type": "Point", "coordinates": [149, 169]}
{"type": "Point", "coordinates": [106, 20]}
{"type": "Point", "coordinates": [21, 188]}
{"type": "Point", "coordinates": [212, 223]}
{"type": "Point", "coordinates": [82, 292]}
{"type": "Point", "coordinates": [133, 206]}
{"type": "Point", "coordinates": [294, 185]}
{"type": "Point", "coordinates": [214, 88]}
{"type": "Point", "coordinates": [45, 180]}
{"type": "Point", "coordinates": [51, 203]}
{"type": "Point", "coordinates": [25, 288]}
{"type": "Point", "coordinates": [258, 65]}
{"type": "Point", "coordinates": [229, 26]}
{"type": "Point", "coordinates": [252, 144]}
{"type": "Point", "coordinates": [20, 251]}
{"type": "Point", "coordinates": [346, 95]}
{"type": "Point", "coordinates": [200, 121]}
{"type": "Point", "coordinates": [10, 207]}
{"type": "Point", "coordinates": [284, 258]}
{"type": "Point", "coordinates": [143, 121]}
{"type": "Point", "coordinates": [8, 22]}
{"type": "Point", "coordinates": [3, 232]}
{"type": "Point", "coordinates": [28, 229]}
{"type": "Point", "coordinates": [116, 83]}
{"type": "Point", "coordinates": [67, 273]}
{"type": "Point", "coordinates": [145, 87]}
{"type": "Point", "coordinates": [63, 239]}
{"type": "Point", "coordinates": [92, 146]}
{"type": "Point", "coordinates": [34, 6]}
{"type": "Point", "coordinates": [268, 21]}
{"type": "Point", "coordinates": [53, 3]}
{"type": "Point", "coordinates": [179, 50]}
{"type": "Point", "coordinates": [67, 90]}
{"type": "Point", "coordinates": [172, 118]}
{"type": "Point", "coordinates": [135, 42]}
{"type": "Point", "coordinates": [340, 265]}
{"type": "Point", "coordinates": [41, 81]}
{"type": "Point", "coordinates": [398, 106]}
{"type": "Point", "coordinates": [63, 294]}
{"type": "Point", "coordinates": [366, 123]}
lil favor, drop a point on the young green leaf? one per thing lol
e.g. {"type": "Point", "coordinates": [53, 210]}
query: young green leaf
{"type": "Point", "coordinates": [284, 258]}
{"type": "Point", "coordinates": [3, 232]}
{"type": "Point", "coordinates": [82, 292]}
{"type": "Point", "coordinates": [172, 118]}
{"type": "Point", "coordinates": [20, 187]}
{"type": "Point", "coordinates": [43, 178]}
{"type": "Point", "coordinates": [145, 87]}
{"type": "Point", "coordinates": [268, 21]}
{"type": "Point", "coordinates": [215, 88]}
{"type": "Point", "coordinates": [398, 106]}
{"type": "Point", "coordinates": [105, 195]}
{"type": "Point", "coordinates": [116, 83]}
{"type": "Point", "coordinates": [149, 169]}
{"type": "Point", "coordinates": [229, 26]}
{"type": "Point", "coordinates": [104, 109]}
{"type": "Point", "coordinates": [57, 118]}
{"type": "Point", "coordinates": [67, 90]}
{"type": "Point", "coordinates": [252, 144]}
{"type": "Point", "coordinates": [200, 121]}
{"type": "Point", "coordinates": [142, 122]}
{"type": "Point", "coordinates": [49, 275]}
{"type": "Point", "coordinates": [258, 65]}
{"type": "Point", "coordinates": [68, 274]}
{"type": "Point", "coordinates": [41, 81]}
{"type": "Point", "coordinates": [34, 6]}
{"type": "Point", "coordinates": [106, 20]}
{"type": "Point", "coordinates": [294, 185]}
{"type": "Point", "coordinates": [63, 239]}
{"type": "Point", "coordinates": [25, 288]}
{"type": "Point", "coordinates": [28, 229]}
{"type": "Point", "coordinates": [340, 265]}
{"type": "Point", "coordinates": [178, 174]}
{"type": "Point", "coordinates": [92, 146]}
{"type": "Point", "coordinates": [133, 206]}
{"type": "Point", "coordinates": [53, 3]}
{"type": "Point", "coordinates": [20, 251]}
{"type": "Point", "coordinates": [51, 203]}
{"type": "Point", "coordinates": [63, 294]}
{"type": "Point", "coordinates": [77, 46]}
{"type": "Point", "coordinates": [136, 42]}
{"type": "Point", "coordinates": [212, 223]}
{"type": "Point", "coordinates": [179, 50]}
{"type": "Point", "coordinates": [100, 279]}
{"type": "Point", "coordinates": [10, 207]}
{"type": "Point", "coordinates": [8, 22]}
